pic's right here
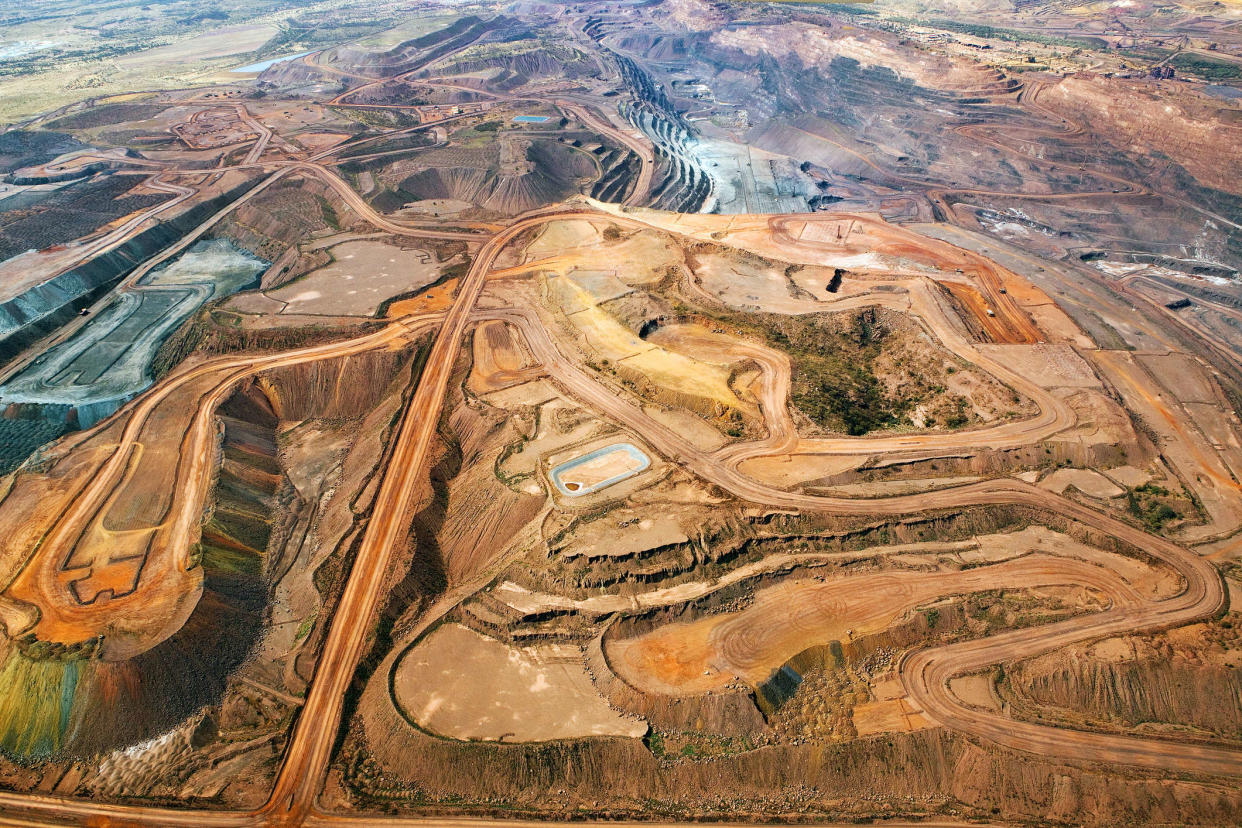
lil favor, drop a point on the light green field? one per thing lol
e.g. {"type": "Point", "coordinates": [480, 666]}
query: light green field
{"type": "Point", "coordinates": [408, 30]}
{"type": "Point", "coordinates": [67, 52]}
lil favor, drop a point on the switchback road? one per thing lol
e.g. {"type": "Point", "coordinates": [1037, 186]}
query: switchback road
{"type": "Point", "coordinates": [925, 674]}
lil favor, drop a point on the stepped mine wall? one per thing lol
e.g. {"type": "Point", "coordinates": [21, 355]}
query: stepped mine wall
{"type": "Point", "coordinates": [930, 770]}
{"type": "Point", "coordinates": [337, 388]}
{"type": "Point", "coordinates": [78, 703]}
{"type": "Point", "coordinates": [27, 318]}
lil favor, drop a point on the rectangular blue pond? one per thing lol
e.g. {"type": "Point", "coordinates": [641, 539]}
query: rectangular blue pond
{"type": "Point", "coordinates": [562, 475]}
{"type": "Point", "coordinates": [530, 119]}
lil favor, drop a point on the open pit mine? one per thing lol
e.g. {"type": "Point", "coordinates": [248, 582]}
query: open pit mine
{"type": "Point", "coordinates": [652, 412]}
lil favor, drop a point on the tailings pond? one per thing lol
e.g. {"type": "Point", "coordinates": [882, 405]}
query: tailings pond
{"type": "Point", "coordinates": [599, 469]}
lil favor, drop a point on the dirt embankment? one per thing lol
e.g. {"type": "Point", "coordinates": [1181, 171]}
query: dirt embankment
{"type": "Point", "coordinates": [205, 335]}
{"type": "Point", "coordinates": [46, 307]}
{"type": "Point", "coordinates": [469, 516]}
{"type": "Point", "coordinates": [333, 389]}
{"type": "Point", "coordinates": [929, 772]}
{"type": "Point", "coordinates": [58, 702]}
{"type": "Point", "coordinates": [1191, 130]}
{"type": "Point", "coordinates": [1186, 682]}
{"type": "Point", "coordinates": [284, 215]}
{"type": "Point", "coordinates": [512, 71]}
{"type": "Point", "coordinates": [465, 516]}
{"type": "Point", "coordinates": [329, 427]}
{"type": "Point", "coordinates": [539, 173]}
{"type": "Point", "coordinates": [388, 763]}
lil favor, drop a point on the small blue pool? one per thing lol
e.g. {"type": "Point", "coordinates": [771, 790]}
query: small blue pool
{"type": "Point", "coordinates": [599, 469]}
{"type": "Point", "coordinates": [267, 64]}
{"type": "Point", "coordinates": [530, 119]}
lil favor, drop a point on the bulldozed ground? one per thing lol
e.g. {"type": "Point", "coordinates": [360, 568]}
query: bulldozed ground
{"type": "Point", "coordinates": [743, 639]}
{"type": "Point", "coordinates": [662, 412]}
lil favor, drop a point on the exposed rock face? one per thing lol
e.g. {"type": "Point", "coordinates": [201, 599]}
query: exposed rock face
{"type": "Point", "coordinates": [39, 311]}
{"type": "Point", "coordinates": [928, 771]}
{"type": "Point", "coordinates": [57, 702]}
{"type": "Point", "coordinates": [332, 388]}
{"type": "Point", "coordinates": [549, 175]}
{"type": "Point", "coordinates": [387, 763]}
{"type": "Point", "coordinates": [817, 46]}
{"type": "Point", "coordinates": [284, 215]}
{"type": "Point", "coordinates": [1190, 679]}
{"type": "Point", "coordinates": [1188, 129]}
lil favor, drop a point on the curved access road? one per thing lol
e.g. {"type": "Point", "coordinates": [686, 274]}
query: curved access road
{"type": "Point", "coordinates": [360, 206]}
{"type": "Point", "coordinates": [921, 301]}
{"type": "Point", "coordinates": [1054, 415]}
{"type": "Point", "coordinates": [169, 577]}
{"type": "Point", "coordinates": [310, 747]}
{"type": "Point", "coordinates": [309, 750]}
{"type": "Point", "coordinates": [265, 134]}
{"type": "Point", "coordinates": [1012, 323]}
{"type": "Point", "coordinates": [639, 146]}
{"type": "Point", "coordinates": [355, 202]}
{"type": "Point", "coordinates": [926, 674]}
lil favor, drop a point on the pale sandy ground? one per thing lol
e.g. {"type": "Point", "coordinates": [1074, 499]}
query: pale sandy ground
{"type": "Point", "coordinates": [598, 469]}
{"type": "Point", "coordinates": [363, 275]}
{"type": "Point", "coordinates": [629, 532]}
{"type": "Point", "coordinates": [890, 712]}
{"type": "Point", "coordinates": [463, 685]}
{"type": "Point", "coordinates": [1084, 480]}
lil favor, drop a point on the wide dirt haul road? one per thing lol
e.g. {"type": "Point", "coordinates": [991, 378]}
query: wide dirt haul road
{"type": "Point", "coordinates": [925, 673]}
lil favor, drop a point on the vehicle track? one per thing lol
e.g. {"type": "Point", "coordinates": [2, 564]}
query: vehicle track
{"type": "Point", "coordinates": [1203, 597]}
{"type": "Point", "coordinates": [924, 673]}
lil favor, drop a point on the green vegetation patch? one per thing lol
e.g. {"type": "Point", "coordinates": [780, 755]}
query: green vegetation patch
{"type": "Point", "coordinates": [692, 745]}
{"type": "Point", "coordinates": [218, 555]}
{"type": "Point", "coordinates": [835, 383]}
{"type": "Point", "coordinates": [1152, 505]}
{"type": "Point", "coordinates": [1206, 67]}
{"type": "Point", "coordinates": [854, 372]}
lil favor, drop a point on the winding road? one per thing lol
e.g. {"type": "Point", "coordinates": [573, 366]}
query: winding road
{"type": "Point", "coordinates": [925, 674]}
